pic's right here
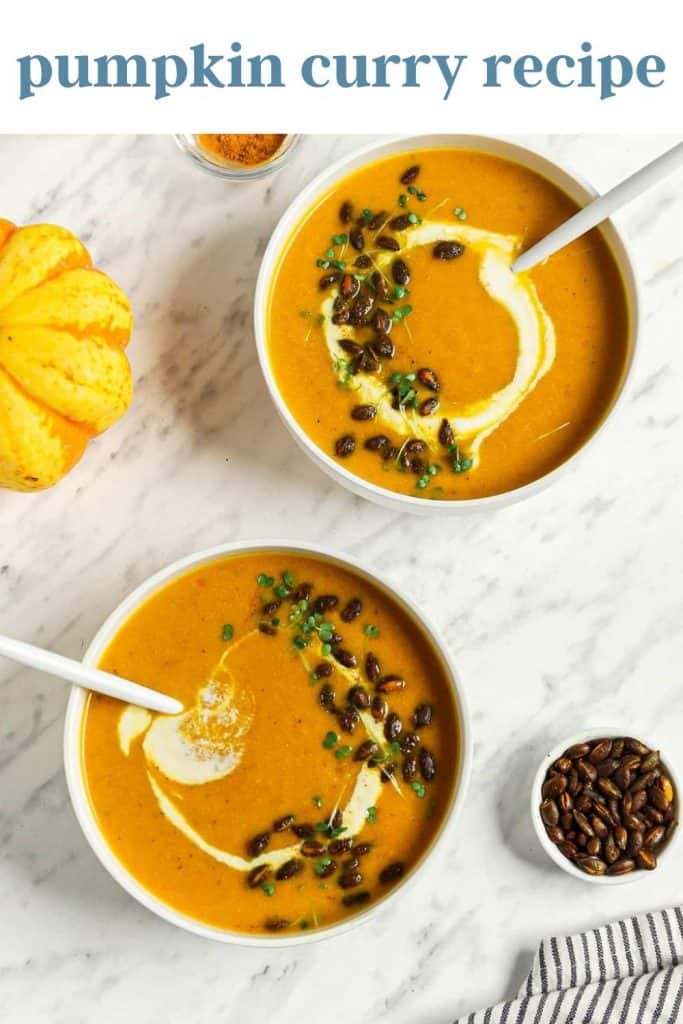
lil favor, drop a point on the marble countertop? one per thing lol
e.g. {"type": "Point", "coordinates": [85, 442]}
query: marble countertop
{"type": "Point", "coordinates": [563, 612]}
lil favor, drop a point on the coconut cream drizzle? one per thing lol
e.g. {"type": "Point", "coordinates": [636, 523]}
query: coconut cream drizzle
{"type": "Point", "coordinates": [474, 422]}
{"type": "Point", "coordinates": [206, 743]}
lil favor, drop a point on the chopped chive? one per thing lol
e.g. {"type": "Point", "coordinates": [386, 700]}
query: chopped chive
{"type": "Point", "coordinates": [371, 630]}
{"type": "Point", "coordinates": [418, 789]}
{"type": "Point", "coordinates": [330, 740]}
{"type": "Point", "coordinates": [228, 631]}
{"type": "Point", "coordinates": [268, 889]}
{"type": "Point", "coordinates": [371, 815]}
{"type": "Point", "coordinates": [264, 581]}
{"type": "Point", "coordinates": [342, 752]}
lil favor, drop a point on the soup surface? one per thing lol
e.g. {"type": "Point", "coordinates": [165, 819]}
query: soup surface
{"type": "Point", "coordinates": [407, 349]}
{"type": "Point", "coordinates": [315, 759]}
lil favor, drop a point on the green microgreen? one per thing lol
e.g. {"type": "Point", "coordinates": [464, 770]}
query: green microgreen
{"type": "Point", "coordinates": [264, 581]}
{"type": "Point", "coordinates": [418, 193]}
{"type": "Point", "coordinates": [414, 219]}
{"type": "Point", "coordinates": [338, 264]}
{"type": "Point", "coordinates": [426, 478]}
{"type": "Point", "coordinates": [339, 239]}
{"type": "Point", "coordinates": [320, 865]}
{"type": "Point", "coordinates": [371, 815]}
{"type": "Point", "coordinates": [418, 789]}
{"type": "Point", "coordinates": [400, 291]}
{"type": "Point", "coordinates": [335, 832]}
{"type": "Point", "coordinates": [459, 464]}
{"type": "Point", "coordinates": [300, 642]}
{"type": "Point", "coordinates": [323, 264]}
{"type": "Point", "coordinates": [371, 630]}
{"type": "Point", "coordinates": [317, 800]}
{"type": "Point", "coordinates": [331, 739]}
{"type": "Point", "coordinates": [288, 579]}
{"type": "Point", "coordinates": [228, 631]}
{"type": "Point", "coordinates": [402, 199]}
{"type": "Point", "coordinates": [367, 214]}
{"type": "Point", "coordinates": [395, 747]}
{"type": "Point", "coordinates": [401, 313]}
{"type": "Point", "coordinates": [303, 925]}
{"type": "Point", "coordinates": [460, 213]}
{"type": "Point", "coordinates": [321, 826]}
{"type": "Point", "coordinates": [269, 889]}
{"type": "Point", "coordinates": [326, 649]}
{"type": "Point", "coordinates": [275, 622]}
{"type": "Point", "coordinates": [342, 752]}
{"type": "Point", "coordinates": [403, 389]}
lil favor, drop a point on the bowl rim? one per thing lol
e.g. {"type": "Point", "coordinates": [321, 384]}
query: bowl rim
{"type": "Point", "coordinates": [560, 174]}
{"type": "Point", "coordinates": [75, 777]}
{"type": "Point", "coordinates": [585, 736]}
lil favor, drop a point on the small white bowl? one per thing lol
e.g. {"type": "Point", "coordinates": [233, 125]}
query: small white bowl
{"type": "Point", "coordinates": [213, 164]}
{"type": "Point", "coordinates": [74, 718]}
{"type": "Point", "coordinates": [570, 183]}
{"type": "Point", "coordinates": [589, 736]}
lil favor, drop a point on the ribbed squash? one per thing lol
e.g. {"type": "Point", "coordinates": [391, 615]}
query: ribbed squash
{"type": "Point", "coordinates": [64, 375]}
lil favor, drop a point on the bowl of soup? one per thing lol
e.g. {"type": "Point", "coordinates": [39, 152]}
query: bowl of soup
{"type": "Point", "coordinates": [402, 352]}
{"type": "Point", "coordinates": [322, 749]}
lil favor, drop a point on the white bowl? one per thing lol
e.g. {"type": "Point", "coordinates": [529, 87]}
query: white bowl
{"type": "Point", "coordinates": [572, 184]}
{"type": "Point", "coordinates": [586, 736]}
{"type": "Point", "coordinates": [77, 701]}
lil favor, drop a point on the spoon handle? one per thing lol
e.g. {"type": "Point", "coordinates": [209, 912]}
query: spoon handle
{"type": "Point", "coordinates": [602, 208]}
{"type": "Point", "coordinates": [91, 678]}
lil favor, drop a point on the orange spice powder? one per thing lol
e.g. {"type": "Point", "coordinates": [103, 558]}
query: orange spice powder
{"type": "Point", "coordinates": [242, 149]}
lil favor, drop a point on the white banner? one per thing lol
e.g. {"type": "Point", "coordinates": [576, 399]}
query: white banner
{"type": "Point", "coordinates": [433, 65]}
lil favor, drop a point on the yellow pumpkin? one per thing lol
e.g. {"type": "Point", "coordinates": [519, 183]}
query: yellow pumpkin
{"type": "Point", "coordinates": [64, 375]}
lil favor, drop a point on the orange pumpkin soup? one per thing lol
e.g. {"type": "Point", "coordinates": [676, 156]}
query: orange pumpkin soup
{"type": "Point", "coordinates": [315, 759]}
{"type": "Point", "coordinates": [406, 348]}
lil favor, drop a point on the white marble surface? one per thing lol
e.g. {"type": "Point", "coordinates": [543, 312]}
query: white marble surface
{"type": "Point", "coordinates": [563, 612]}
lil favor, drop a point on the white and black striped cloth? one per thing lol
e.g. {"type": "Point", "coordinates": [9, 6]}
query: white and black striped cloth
{"type": "Point", "coordinates": [629, 972]}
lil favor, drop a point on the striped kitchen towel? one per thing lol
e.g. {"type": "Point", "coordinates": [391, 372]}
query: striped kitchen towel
{"type": "Point", "coordinates": [629, 972]}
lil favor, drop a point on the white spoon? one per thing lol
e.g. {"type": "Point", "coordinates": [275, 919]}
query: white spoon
{"type": "Point", "coordinates": [90, 678]}
{"type": "Point", "coordinates": [602, 208]}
